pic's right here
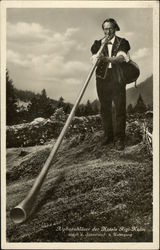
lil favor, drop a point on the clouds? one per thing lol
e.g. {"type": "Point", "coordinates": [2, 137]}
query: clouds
{"type": "Point", "coordinates": [33, 38]}
{"type": "Point", "coordinates": [22, 30]}
{"type": "Point", "coordinates": [49, 68]}
{"type": "Point", "coordinates": [56, 66]}
{"type": "Point", "coordinates": [44, 54]}
{"type": "Point", "coordinates": [34, 46]}
{"type": "Point", "coordinates": [141, 53]}
{"type": "Point", "coordinates": [16, 58]}
{"type": "Point", "coordinates": [127, 34]}
{"type": "Point", "coordinates": [36, 39]}
{"type": "Point", "coordinates": [50, 48]}
{"type": "Point", "coordinates": [48, 65]}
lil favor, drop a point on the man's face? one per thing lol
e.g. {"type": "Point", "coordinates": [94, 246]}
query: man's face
{"type": "Point", "coordinates": [109, 29]}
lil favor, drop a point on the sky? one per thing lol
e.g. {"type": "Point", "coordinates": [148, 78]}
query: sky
{"type": "Point", "coordinates": [50, 47]}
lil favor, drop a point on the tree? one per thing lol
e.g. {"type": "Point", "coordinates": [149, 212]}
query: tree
{"type": "Point", "coordinates": [140, 106]}
{"type": "Point", "coordinates": [60, 103]}
{"type": "Point", "coordinates": [67, 108]}
{"type": "Point", "coordinates": [95, 107]}
{"type": "Point", "coordinates": [80, 110]}
{"type": "Point", "coordinates": [24, 95]}
{"type": "Point", "coordinates": [40, 106]}
{"type": "Point", "coordinates": [45, 108]}
{"type": "Point", "coordinates": [10, 101]}
{"type": "Point", "coordinates": [149, 107]}
{"type": "Point", "coordinates": [33, 107]}
{"type": "Point", "coordinates": [88, 108]}
{"type": "Point", "coordinates": [43, 94]}
{"type": "Point", "coordinates": [130, 109]}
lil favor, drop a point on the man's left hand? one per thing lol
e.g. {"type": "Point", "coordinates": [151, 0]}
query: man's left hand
{"type": "Point", "coordinates": [117, 59]}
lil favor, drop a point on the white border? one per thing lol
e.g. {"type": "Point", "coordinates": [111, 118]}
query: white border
{"type": "Point", "coordinates": [84, 4]}
{"type": "Point", "coordinates": [156, 124]}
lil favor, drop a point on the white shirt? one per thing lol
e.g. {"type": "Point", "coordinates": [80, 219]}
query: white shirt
{"type": "Point", "coordinates": [110, 46]}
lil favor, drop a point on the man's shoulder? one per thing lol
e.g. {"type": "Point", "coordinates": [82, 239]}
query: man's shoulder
{"type": "Point", "coordinates": [96, 46]}
{"type": "Point", "coordinates": [121, 39]}
{"type": "Point", "coordinates": [122, 44]}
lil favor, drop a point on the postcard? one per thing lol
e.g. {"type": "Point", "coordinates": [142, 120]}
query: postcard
{"type": "Point", "coordinates": [80, 124]}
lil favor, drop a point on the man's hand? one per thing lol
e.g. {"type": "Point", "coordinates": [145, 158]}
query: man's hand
{"type": "Point", "coordinates": [102, 58]}
{"type": "Point", "coordinates": [117, 59]}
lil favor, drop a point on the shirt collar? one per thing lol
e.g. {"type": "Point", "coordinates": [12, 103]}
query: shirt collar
{"type": "Point", "coordinates": [112, 40]}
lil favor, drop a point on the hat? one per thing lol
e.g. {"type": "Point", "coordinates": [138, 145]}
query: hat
{"type": "Point", "coordinates": [111, 20]}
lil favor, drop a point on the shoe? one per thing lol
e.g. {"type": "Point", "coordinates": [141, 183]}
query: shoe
{"type": "Point", "coordinates": [120, 145]}
{"type": "Point", "coordinates": [106, 141]}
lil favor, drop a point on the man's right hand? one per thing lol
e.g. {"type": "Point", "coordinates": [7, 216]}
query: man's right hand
{"type": "Point", "coordinates": [102, 58]}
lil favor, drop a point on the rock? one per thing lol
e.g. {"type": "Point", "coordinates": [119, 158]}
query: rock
{"type": "Point", "coordinates": [37, 121]}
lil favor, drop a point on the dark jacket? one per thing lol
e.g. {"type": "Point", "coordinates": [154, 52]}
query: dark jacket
{"type": "Point", "coordinates": [120, 44]}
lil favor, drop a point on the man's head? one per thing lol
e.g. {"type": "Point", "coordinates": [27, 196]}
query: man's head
{"type": "Point", "coordinates": [109, 27]}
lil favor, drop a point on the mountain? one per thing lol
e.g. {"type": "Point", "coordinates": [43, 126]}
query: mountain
{"type": "Point", "coordinates": [145, 88]}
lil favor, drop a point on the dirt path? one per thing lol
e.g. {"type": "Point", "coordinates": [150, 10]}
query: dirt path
{"type": "Point", "coordinates": [91, 194]}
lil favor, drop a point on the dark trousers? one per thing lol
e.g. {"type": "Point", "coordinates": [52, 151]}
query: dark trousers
{"type": "Point", "coordinates": [109, 90]}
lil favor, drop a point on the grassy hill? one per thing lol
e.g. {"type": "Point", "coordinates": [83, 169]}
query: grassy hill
{"type": "Point", "coordinates": [91, 194]}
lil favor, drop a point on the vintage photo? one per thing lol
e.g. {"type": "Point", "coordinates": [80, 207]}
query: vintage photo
{"type": "Point", "coordinates": [79, 104]}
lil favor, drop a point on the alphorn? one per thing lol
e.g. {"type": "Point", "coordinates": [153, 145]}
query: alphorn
{"type": "Point", "coordinates": [22, 211]}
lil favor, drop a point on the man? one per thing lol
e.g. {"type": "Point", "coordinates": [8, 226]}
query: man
{"type": "Point", "coordinates": [110, 82]}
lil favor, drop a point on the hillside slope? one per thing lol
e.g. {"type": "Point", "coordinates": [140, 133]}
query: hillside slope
{"type": "Point", "coordinates": [91, 194]}
{"type": "Point", "coordinates": [145, 88]}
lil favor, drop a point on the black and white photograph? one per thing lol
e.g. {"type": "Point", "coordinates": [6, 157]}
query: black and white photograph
{"type": "Point", "coordinates": [79, 124]}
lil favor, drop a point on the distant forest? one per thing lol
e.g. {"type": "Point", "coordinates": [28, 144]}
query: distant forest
{"type": "Point", "coordinates": [24, 106]}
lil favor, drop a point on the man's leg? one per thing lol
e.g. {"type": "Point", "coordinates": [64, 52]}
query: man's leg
{"type": "Point", "coordinates": [104, 91]}
{"type": "Point", "coordinates": [119, 97]}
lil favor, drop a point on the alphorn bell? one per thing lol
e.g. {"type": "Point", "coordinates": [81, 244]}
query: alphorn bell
{"type": "Point", "coordinates": [21, 212]}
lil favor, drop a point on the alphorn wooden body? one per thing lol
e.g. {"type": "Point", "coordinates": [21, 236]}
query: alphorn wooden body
{"type": "Point", "coordinates": [21, 212]}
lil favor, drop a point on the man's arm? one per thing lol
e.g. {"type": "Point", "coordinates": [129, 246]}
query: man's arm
{"type": "Point", "coordinates": [117, 59]}
{"type": "Point", "coordinates": [95, 49]}
{"type": "Point", "coordinates": [96, 46]}
{"type": "Point", "coordinates": [122, 55]}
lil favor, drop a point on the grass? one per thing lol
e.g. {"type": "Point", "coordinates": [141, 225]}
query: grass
{"type": "Point", "coordinates": [91, 193]}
